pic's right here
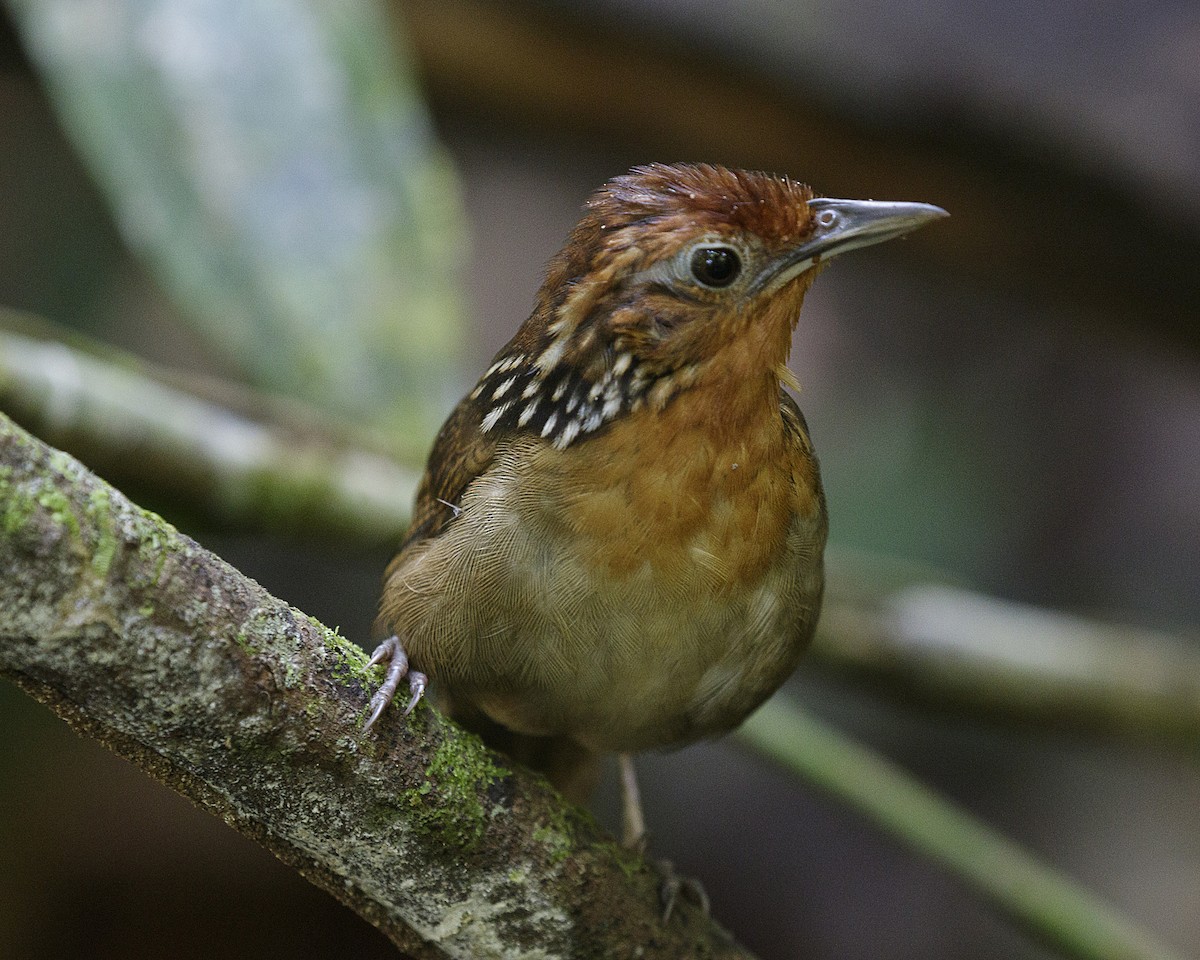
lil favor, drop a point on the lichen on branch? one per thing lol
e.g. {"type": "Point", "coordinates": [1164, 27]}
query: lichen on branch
{"type": "Point", "coordinates": [141, 638]}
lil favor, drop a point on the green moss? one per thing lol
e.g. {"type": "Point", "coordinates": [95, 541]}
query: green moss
{"type": "Point", "coordinates": [22, 504]}
{"type": "Point", "coordinates": [18, 505]}
{"type": "Point", "coordinates": [156, 544]}
{"type": "Point", "coordinates": [243, 639]}
{"type": "Point", "coordinates": [629, 862]}
{"type": "Point", "coordinates": [561, 832]}
{"type": "Point", "coordinates": [152, 558]}
{"type": "Point", "coordinates": [59, 507]}
{"type": "Point", "coordinates": [450, 803]}
{"type": "Point", "coordinates": [348, 661]}
{"type": "Point", "coordinates": [557, 841]}
{"type": "Point", "coordinates": [318, 625]}
{"type": "Point", "coordinates": [100, 511]}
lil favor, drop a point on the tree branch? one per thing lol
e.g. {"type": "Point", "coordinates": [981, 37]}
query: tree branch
{"type": "Point", "coordinates": [950, 646]}
{"type": "Point", "coordinates": [142, 639]}
{"type": "Point", "coordinates": [243, 457]}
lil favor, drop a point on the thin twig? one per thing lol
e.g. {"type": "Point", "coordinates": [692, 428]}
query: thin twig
{"type": "Point", "coordinates": [1047, 903]}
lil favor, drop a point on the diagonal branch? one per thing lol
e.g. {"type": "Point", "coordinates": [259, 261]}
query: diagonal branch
{"type": "Point", "coordinates": [142, 639]}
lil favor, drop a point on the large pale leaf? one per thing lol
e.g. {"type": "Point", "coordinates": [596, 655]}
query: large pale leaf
{"type": "Point", "coordinates": [273, 161]}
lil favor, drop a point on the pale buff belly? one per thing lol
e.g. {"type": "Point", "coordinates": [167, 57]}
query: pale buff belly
{"type": "Point", "coordinates": [510, 613]}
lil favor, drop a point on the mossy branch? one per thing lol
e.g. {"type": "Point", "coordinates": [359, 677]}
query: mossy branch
{"type": "Point", "coordinates": [140, 638]}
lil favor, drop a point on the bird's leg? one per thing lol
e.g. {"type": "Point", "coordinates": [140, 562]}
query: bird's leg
{"type": "Point", "coordinates": [392, 651]}
{"type": "Point", "coordinates": [633, 824]}
{"type": "Point", "coordinates": [633, 837]}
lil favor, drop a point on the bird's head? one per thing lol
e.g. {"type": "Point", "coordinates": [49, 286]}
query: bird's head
{"type": "Point", "coordinates": [675, 272]}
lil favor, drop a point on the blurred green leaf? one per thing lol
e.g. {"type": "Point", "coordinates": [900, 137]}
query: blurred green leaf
{"type": "Point", "coordinates": [273, 161]}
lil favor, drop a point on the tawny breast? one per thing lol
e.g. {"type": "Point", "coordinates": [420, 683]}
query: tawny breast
{"type": "Point", "coordinates": [642, 596]}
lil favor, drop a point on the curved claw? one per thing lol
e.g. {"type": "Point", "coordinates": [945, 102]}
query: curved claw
{"type": "Point", "coordinates": [673, 885]}
{"type": "Point", "coordinates": [378, 706]}
{"type": "Point", "coordinates": [417, 682]}
{"type": "Point", "coordinates": [392, 651]}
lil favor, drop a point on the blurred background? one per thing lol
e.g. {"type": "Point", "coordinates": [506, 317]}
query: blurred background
{"type": "Point", "coordinates": [350, 207]}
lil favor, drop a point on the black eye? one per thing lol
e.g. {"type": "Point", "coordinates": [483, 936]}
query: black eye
{"type": "Point", "coordinates": [716, 266]}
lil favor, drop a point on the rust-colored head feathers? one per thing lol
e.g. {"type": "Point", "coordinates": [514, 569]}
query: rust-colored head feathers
{"type": "Point", "coordinates": [646, 215]}
{"type": "Point", "coordinates": [632, 306]}
{"type": "Point", "coordinates": [702, 196]}
{"type": "Point", "coordinates": [675, 274]}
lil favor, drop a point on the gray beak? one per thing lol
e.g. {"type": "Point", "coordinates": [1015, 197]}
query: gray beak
{"type": "Point", "coordinates": [842, 225]}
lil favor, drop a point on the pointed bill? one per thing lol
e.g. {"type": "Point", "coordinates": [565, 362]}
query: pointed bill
{"type": "Point", "coordinates": [841, 225]}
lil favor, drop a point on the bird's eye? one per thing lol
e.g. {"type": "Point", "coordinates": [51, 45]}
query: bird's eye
{"type": "Point", "coordinates": [715, 266]}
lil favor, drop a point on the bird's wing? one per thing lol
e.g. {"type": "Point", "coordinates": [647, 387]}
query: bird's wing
{"type": "Point", "coordinates": [466, 445]}
{"type": "Point", "coordinates": [460, 453]}
{"type": "Point", "coordinates": [794, 424]}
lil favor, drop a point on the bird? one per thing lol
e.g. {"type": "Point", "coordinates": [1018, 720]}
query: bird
{"type": "Point", "coordinates": [617, 544]}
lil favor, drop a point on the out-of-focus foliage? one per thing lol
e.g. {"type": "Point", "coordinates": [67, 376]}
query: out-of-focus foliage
{"type": "Point", "coordinates": [274, 163]}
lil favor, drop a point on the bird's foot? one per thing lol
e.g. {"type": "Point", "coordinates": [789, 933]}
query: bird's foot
{"type": "Point", "coordinates": [673, 886]}
{"type": "Point", "coordinates": [392, 652]}
{"type": "Point", "coordinates": [634, 837]}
